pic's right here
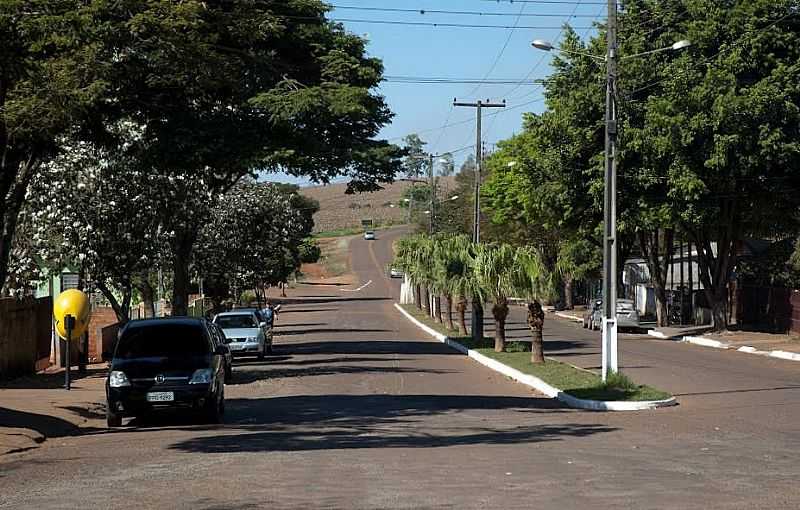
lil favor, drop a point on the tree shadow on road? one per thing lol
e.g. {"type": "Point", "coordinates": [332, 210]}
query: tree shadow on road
{"type": "Point", "coordinates": [281, 372]}
{"type": "Point", "coordinates": [331, 422]}
{"type": "Point", "coordinates": [313, 331]}
{"type": "Point", "coordinates": [367, 347]}
{"type": "Point", "coordinates": [51, 380]}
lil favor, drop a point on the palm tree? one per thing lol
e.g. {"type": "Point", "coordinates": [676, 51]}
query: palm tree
{"type": "Point", "coordinates": [494, 268]}
{"type": "Point", "coordinates": [503, 271]}
{"type": "Point", "coordinates": [535, 284]}
{"type": "Point", "coordinates": [461, 283]}
{"type": "Point", "coordinates": [406, 258]}
{"type": "Point", "coordinates": [449, 266]}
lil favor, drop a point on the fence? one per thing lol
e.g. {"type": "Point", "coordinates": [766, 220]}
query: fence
{"type": "Point", "coordinates": [25, 335]}
{"type": "Point", "coordinates": [773, 309]}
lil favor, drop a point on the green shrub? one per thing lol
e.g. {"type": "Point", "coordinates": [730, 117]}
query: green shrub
{"type": "Point", "coordinates": [310, 251]}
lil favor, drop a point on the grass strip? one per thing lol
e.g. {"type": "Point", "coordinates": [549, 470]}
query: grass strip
{"type": "Point", "coordinates": [575, 381]}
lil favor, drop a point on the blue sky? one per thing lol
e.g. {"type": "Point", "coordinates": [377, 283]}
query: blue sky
{"type": "Point", "coordinates": [461, 53]}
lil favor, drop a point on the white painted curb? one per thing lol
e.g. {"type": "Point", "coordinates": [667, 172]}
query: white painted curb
{"type": "Point", "coordinates": [791, 356]}
{"type": "Point", "coordinates": [705, 342]}
{"type": "Point", "coordinates": [569, 316]}
{"type": "Point", "coordinates": [535, 382]}
{"type": "Point", "coordinates": [716, 344]}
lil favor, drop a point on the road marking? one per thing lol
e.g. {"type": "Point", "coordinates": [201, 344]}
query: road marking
{"type": "Point", "coordinates": [358, 289]}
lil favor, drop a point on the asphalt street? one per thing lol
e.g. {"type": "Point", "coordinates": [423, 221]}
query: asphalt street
{"type": "Point", "coordinates": [359, 409]}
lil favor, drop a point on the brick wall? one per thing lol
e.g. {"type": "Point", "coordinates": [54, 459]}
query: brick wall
{"type": "Point", "coordinates": [25, 334]}
{"type": "Point", "coordinates": [102, 316]}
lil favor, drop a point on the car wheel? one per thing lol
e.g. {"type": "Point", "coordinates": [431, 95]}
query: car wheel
{"type": "Point", "coordinates": [215, 407]}
{"type": "Point", "coordinates": [228, 374]}
{"type": "Point", "coordinates": [113, 419]}
{"type": "Point", "coordinates": [269, 349]}
{"type": "Point", "coordinates": [261, 355]}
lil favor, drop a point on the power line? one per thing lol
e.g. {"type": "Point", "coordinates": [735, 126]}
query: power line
{"type": "Point", "coordinates": [455, 13]}
{"type": "Point", "coordinates": [423, 23]}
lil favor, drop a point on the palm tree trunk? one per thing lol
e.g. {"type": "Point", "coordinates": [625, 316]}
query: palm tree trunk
{"type": "Point", "coordinates": [427, 302]}
{"type": "Point", "coordinates": [500, 312]}
{"type": "Point", "coordinates": [461, 309]}
{"type": "Point", "coordinates": [536, 323]}
{"type": "Point", "coordinates": [418, 296]}
{"type": "Point", "coordinates": [448, 316]}
{"type": "Point", "coordinates": [436, 313]}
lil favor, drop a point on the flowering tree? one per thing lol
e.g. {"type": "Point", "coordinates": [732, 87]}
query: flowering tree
{"type": "Point", "coordinates": [252, 238]}
{"type": "Point", "coordinates": [103, 212]}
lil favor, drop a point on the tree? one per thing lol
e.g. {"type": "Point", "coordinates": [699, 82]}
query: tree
{"type": "Point", "coordinates": [727, 132]}
{"type": "Point", "coordinates": [415, 162]}
{"type": "Point", "coordinates": [100, 212]}
{"type": "Point", "coordinates": [502, 271]}
{"type": "Point", "coordinates": [223, 89]}
{"type": "Point", "coordinates": [252, 238]}
{"type": "Point", "coordinates": [51, 78]}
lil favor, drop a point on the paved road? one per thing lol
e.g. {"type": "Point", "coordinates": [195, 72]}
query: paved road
{"type": "Point", "coordinates": [357, 409]}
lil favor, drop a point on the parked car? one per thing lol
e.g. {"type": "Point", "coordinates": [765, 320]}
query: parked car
{"type": "Point", "coordinates": [218, 336]}
{"type": "Point", "coordinates": [246, 332]}
{"type": "Point", "coordinates": [396, 273]}
{"type": "Point", "coordinates": [369, 235]}
{"type": "Point", "coordinates": [627, 315]}
{"type": "Point", "coordinates": [165, 363]}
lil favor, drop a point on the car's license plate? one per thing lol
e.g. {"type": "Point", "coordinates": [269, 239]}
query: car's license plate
{"type": "Point", "coordinates": [161, 396]}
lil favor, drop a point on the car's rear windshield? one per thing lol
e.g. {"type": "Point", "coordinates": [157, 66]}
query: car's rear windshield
{"type": "Point", "coordinates": [236, 321]}
{"type": "Point", "coordinates": [163, 340]}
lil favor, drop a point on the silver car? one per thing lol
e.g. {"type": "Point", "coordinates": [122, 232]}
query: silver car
{"type": "Point", "coordinates": [627, 316]}
{"type": "Point", "coordinates": [369, 235]}
{"type": "Point", "coordinates": [244, 333]}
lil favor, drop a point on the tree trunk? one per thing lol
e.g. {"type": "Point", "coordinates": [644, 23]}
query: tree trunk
{"type": "Point", "coordinates": [536, 323]}
{"type": "Point", "coordinates": [121, 309]}
{"type": "Point", "coordinates": [436, 301]}
{"type": "Point", "coordinates": [15, 176]}
{"type": "Point", "coordinates": [181, 256]}
{"type": "Point", "coordinates": [477, 320]}
{"type": "Point", "coordinates": [418, 296]}
{"type": "Point", "coordinates": [147, 292]}
{"type": "Point", "coordinates": [656, 246]}
{"type": "Point", "coordinates": [448, 316]}
{"type": "Point", "coordinates": [568, 304]}
{"type": "Point", "coordinates": [461, 309]}
{"type": "Point", "coordinates": [500, 312]}
{"type": "Point", "coordinates": [427, 302]}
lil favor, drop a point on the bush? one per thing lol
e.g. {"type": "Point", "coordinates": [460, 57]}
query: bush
{"type": "Point", "coordinates": [310, 251]}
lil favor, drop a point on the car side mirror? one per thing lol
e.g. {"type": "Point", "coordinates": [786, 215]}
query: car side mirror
{"type": "Point", "coordinates": [262, 324]}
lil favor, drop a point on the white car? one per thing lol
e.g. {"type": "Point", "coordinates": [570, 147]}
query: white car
{"type": "Point", "coordinates": [244, 333]}
{"type": "Point", "coordinates": [395, 273]}
{"type": "Point", "coordinates": [369, 235]}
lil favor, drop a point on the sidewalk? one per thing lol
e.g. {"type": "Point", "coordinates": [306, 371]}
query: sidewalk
{"type": "Point", "coordinates": [753, 342]}
{"type": "Point", "coordinates": [36, 408]}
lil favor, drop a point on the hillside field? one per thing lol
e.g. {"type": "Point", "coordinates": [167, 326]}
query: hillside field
{"type": "Point", "coordinates": [340, 211]}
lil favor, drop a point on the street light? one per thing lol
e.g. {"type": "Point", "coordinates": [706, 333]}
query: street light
{"type": "Point", "coordinates": [609, 337]}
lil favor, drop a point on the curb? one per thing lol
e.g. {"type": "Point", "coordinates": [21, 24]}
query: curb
{"type": "Point", "coordinates": [716, 344]}
{"type": "Point", "coordinates": [535, 382]}
{"type": "Point", "coordinates": [569, 316]}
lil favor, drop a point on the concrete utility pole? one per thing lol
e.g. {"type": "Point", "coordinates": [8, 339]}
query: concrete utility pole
{"type": "Point", "coordinates": [433, 194]}
{"type": "Point", "coordinates": [610, 203]}
{"type": "Point", "coordinates": [477, 307]}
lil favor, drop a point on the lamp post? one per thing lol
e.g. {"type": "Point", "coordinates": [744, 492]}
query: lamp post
{"type": "Point", "coordinates": [609, 334]}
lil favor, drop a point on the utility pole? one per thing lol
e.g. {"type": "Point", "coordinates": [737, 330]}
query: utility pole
{"type": "Point", "coordinates": [433, 194]}
{"type": "Point", "coordinates": [610, 203]}
{"type": "Point", "coordinates": [477, 306]}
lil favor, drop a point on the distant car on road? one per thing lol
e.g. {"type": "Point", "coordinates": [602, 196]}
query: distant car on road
{"type": "Point", "coordinates": [369, 235]}
{"type": "Point", "coordinates": [396, 273]}
{"type": "Point", "coordinates": [166, 363]}
{"type": "Point", "coordinates": [627, 315]}
{"type": "Point", "coordinates": [245, 332]}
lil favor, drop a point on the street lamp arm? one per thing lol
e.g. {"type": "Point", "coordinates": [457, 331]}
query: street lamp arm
{"type": "Point", "coordinates": [679, 45]}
